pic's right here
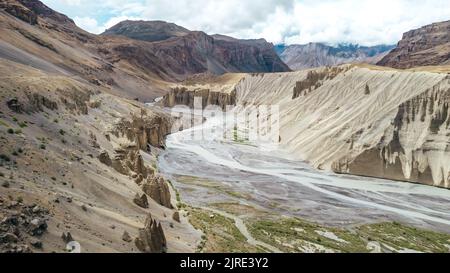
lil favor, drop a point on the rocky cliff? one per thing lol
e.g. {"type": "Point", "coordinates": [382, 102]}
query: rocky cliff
{"type": "Point", "coordinates": [185, 96]}
{"type": "Point", "coordinates": [428, 45]}
{"type": "Point", "coordinates": [208, 89]}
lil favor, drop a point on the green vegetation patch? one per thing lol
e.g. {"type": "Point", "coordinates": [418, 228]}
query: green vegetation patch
{"type": "Point", "coordinates": [401, 237]}
{"type": "Point", "coordinates": [220, 233]}
{"type": "Point", "coordinates": [295, 235]}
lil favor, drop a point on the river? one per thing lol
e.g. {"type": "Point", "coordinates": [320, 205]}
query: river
{"type": "Point", "coordinates": [264, 178]}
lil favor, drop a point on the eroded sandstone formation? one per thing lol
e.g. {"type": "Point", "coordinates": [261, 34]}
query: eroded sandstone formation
{"type": "Point", "coordinates": [398, 130]}
{"type": "Point", "coordinates": [156, 187]}
{"type": "Point", "coordinates": [151, 238]}
{"type": "Point", "coordinates": [145, 130]}
{"type": "Point", "coordinates": [415, 147]}
{"type": "Point", "coordinates": [314, 79]}
{"type": "Point", "coordinates": [141, 200]}
{"type": "Point", "coordinates": [141, 133]}
{"type": "Point", "coordinates": [185, 96]}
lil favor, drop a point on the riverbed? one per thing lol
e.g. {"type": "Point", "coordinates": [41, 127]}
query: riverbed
{"type": "Point", "coordinates": [211, 171]}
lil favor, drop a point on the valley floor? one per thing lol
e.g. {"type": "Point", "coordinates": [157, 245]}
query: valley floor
{"type": "Point", "coordinates": [288, 206]}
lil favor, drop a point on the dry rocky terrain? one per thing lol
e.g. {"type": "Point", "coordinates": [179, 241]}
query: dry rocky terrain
{"type": "Point", "coordinates": [79, 149]}
{"type": "Point", "coordinates": [426, 46]}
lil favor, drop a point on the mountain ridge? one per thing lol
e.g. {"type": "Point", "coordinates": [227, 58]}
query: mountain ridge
{"type": "Point", "coordinates": [314, 55]}
{"type": "Point", "coordinates": [199, 52]}
{"type": "Point", "coordinates": [425, 46]}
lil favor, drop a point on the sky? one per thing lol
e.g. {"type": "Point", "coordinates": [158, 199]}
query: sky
{"type": "Point", "coordinates": [364, 22]}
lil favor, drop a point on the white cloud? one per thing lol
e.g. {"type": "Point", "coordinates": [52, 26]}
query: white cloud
{"type": "Point", "coordinates": [88, 24]}
{"type": "Point", "coordinates": [365, 22]}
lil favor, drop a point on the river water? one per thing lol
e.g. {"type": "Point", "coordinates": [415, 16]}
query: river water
{"type": "Point", "coordinates": [271, 182]}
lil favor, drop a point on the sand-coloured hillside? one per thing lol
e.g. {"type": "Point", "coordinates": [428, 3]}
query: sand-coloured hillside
{"type": "Point", "coordinates": [75, 159]}
{"type": "Point", "coordinates": [375, 122]}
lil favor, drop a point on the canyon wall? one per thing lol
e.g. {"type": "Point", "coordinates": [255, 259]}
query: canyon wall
{"type": "Point", "coordinates": [185, 96]}
{"type": "Point", "coordinates": [361, 120]}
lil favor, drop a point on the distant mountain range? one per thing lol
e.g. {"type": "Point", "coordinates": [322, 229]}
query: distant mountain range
{"type": "Point", "coordinates": [311, 55]}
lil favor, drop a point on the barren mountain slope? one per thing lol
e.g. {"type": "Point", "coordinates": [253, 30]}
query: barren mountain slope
{"type": "Point", "coordinates": [183, 52]}
{"type": "Point", "coordinates": [77, 162]}
{"type": "Point", "coordinates": [52, 42]}
{"type": "Point", "coordinates": [428, 45]}
{"type": "Point", "coordinates": [74, 158]}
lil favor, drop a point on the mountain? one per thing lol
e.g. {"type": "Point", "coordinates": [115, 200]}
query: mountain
{"type": "Point", "coordinates": [35, 35]}
{"type": "Point", "coordinates": [150, 31]}
{"type": "Point", "coordinates": [312, 55]}
{"type": "Point", "coordinates": [76, 149]}
{"type": "Point", "coordinates": [428, 45]}
{"type": "Point", "coordinates": [183, 52]}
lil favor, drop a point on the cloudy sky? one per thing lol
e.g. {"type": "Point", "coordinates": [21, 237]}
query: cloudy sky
{"type": "Point", "coordinates": [366, 22]}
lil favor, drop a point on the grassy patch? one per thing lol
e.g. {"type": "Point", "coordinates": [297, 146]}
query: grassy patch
{"type": "Point", "coordinates": [4, 124]}
{"type": "Point", "coordinates": [295, 235]}
{"type": "Point", "coordinates": [401, 237]}
{"type": "Point", "coordinates": [220, 233]}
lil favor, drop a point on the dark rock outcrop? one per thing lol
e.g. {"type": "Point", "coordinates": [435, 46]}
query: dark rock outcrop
{"type": "Point", "coordinates": [104, 158]}
{"type": "Point", "coordinates": [39, 9]}
{"type": "Point", "coordinates": [38, 102]}
{"type": "Point", "coordinates": [21, 226]}
{"type": "Point", "coordinates": [428, 45]}
{"type": "Point", "coordinates": [126, 237]}
{"type": "Point", "coordinates": [17, 10]}
{"type": "Point", "coordinates": [67, 237]}
{"type": "Point", "coordinates": [141, 200]}
{"type": "Point", "coordinates": [128, 161]}
{"type": "Point", "coordinates": [176, 216]}
{"type": "Point", "coordinates": [151, 238]}
{"type": "Point", "coordinates": [157, 188]}
{"type": "Point", "coordinates": [15, 105]}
